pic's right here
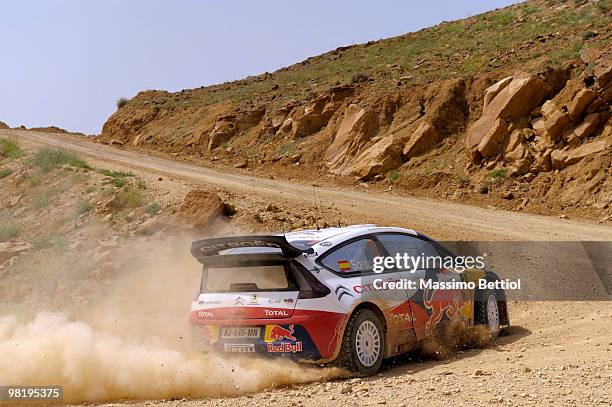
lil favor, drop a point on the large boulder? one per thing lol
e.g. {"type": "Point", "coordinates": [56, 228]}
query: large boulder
{"type": "Point", "coordinates": [446, 107]}
{"type": "Point", "coordinates": [603, 68]}
{"type": "Point", "coordinates": [562, 158]}
{"type": "Point", "coordinates": [310, 119]}
{"type": "Point", "coordinates": [589, 126]}
{"type": "Point", "coordinates": [3, 125]}
{"type": "Point", "coordinates": [380, 158]}
{"type": "Point", "coordinates": [422, 140]}
{"type": "Point", "coordinates": [199, 209]}
{"type": "Point", "coordinates": [514, 100]}
{"type": "Point", "coordinates": [580, 102]}
{"type": "Point", "coordinates": [493, 90]}
{"type": "Point", "coordinates": [225, 129]}
{"type": "Point", "coordinates": [356, 128]}
{"type": "Point", "coordinates": [493, 140]}
{"type": "Point", "coordinates": [555, 120]}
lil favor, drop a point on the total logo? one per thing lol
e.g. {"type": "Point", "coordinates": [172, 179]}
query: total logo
{"type": "Point", "coordinates": [277, 333]}
{"type": "Point", "coordinates": [276, 313]}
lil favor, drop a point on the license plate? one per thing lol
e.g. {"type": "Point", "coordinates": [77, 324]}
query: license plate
{"type": "Point", "coordinates": [240, 332]}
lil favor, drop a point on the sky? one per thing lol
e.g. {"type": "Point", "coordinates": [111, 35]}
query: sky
{"type": "Point", "coordinates": [66, 62]}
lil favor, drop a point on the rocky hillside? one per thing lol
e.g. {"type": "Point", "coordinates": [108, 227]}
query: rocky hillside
{"type": "Point", "coordinates": [510, 108]}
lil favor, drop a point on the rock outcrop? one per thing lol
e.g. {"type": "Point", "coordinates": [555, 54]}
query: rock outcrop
{"type": "Point", "coordinates": [515, 130]}
{"type": "Point", "coordinates": [3, 125]}
{"type": "Point", "coordinates": [508, 100]}
{"type": "Point", "coordinates": [356, 128]}
{"type": "Point", "coordinates": [225, 129]}
{"type": "Point", "coordinates": [380, 158]}
{"type": "Point", "coordinates": [563, 158]}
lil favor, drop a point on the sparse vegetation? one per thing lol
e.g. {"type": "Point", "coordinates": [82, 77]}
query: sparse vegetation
{"type": "Point", "coordinates": [152, 208]}
{"type": "Point", "coordinates": [114, 174]}
{"type": "Point", "coordinates": [5, 172]}
{"type": "Point", "coordinates": [131, 198]}
{"type": "Point", "coordinates": [121, 102]}
{"type": "Point", "coordinates": [394, 176]}
{"type": "Point", "coordinates": [117, 182]}
{"type": "Point", "coordinates": [140, 184]}
{"type": "Point", "coordinates": [499, 173]}
{"type": "Point", "coordinates": [43, 199]}
{"type": "Point", "coordinates": [47, 159]}
{"type": "Point", "coordinates": [603, 6]}
{"type": "Point", "coordinates": [34, 180]}
{"type": "Point", "coordinates": [9, 230]}
{"type": "Point", "coordinates": [82, 207]}
{"type": "Point", "coordinates": [9, 148]}
{"type": "Point", "coordinates": [463, 179]}
{"type": "Point", "coordinates": [44, 241]}
{"type": "Point", "coordinates": [285, 149]}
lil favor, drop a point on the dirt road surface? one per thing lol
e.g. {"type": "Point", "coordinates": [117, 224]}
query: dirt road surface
{"type": "Point", "coordinates": [441, 220]}
{"type": "Point", "coordinates": [555, 353]}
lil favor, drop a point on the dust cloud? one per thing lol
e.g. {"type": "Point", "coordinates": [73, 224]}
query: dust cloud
{"type": "Point", "coordinates": [457, 335]}
{"type": "Point", "coordinates": [132, 339]}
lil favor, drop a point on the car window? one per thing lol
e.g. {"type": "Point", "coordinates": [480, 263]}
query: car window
{"type": "Point", "coordinates": [240, 279]}
{"type": "Point", "coordinates": [354, 257]}
{"type": "Point", "coordinates": [414, 248]}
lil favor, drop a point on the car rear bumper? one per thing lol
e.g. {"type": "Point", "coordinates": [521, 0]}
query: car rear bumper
{"type": "Point", "coordinates": [310, 336]}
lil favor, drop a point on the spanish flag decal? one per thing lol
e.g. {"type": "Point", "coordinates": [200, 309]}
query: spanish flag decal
{"type": "Point", "coordinates": [344, 265]}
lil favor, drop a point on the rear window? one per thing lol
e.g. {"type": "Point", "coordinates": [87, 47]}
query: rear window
{"type": "Point", "coordinates": [248, 278]}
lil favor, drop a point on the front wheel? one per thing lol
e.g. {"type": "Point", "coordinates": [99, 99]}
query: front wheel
{"type": "Point", "coordinates": [486, 312]}
{"type": "Point", "coordinates": [363, 344]}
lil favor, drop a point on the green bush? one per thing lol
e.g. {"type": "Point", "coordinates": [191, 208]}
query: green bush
{"type": "Point", "coordinates": [152, 208]}
{"type": "Point", "coordinates": [122, 102]}
{"type": "Point", "coordinates": [132, 199]}
{"type": "Point", "coordinates": [118, 182]}
{"type": "Point", "coordinates": [47, 159]}
{"type": "Point", "coordinates": [463, 179]}
{"type": "Point", "coordinates": [115, 174]}
{"type": "Point", "coordinates": [499, 173]}
{"type": "Point", "coordinates": [34, 180]}
{"type": "Point", "coordinates": [5, 172]}
{"type": "Point", "coordinates": [394, 175]}
{"type": "Point", "coordinates": [9, 148]}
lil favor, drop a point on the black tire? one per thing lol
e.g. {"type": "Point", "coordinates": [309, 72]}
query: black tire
{"type": "Point", "coordinates": [348, 357]}
{"type": "Point", "coordinates": [486, 307]}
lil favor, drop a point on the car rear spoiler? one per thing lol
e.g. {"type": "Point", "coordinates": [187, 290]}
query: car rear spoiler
{"type": "Point", "coordinates": [208, 250]}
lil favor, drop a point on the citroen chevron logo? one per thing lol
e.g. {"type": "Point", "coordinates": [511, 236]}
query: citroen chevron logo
{"type": "Point", "coordinates": [238, 301]}
{"type": "Point", "coordinates": [341, 291]}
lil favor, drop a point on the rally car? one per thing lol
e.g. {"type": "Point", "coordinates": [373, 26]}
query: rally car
{"type": "Point", "coordinates": [314, 296]}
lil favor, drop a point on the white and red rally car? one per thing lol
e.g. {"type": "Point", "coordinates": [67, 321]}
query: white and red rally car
{"type": "Point", "coordinates": [313, 296]}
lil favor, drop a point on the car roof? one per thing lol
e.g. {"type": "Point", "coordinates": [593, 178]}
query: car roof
{"type": "Point", "coordinates": [340, 234]}
{"type": "Point", "coordinates": [335, 235]}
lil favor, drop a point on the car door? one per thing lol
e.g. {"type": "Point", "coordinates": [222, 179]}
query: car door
{"type": "Point", "coordinates": [422, 264]}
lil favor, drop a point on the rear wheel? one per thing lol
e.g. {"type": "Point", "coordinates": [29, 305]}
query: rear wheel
{"type": "Point", "coordinates": [486, 311]}
{"type": "Point", "coordinates": [363, 344]}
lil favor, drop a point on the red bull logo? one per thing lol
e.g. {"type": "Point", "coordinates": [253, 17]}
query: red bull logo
{"type": "Point", "coordinates": [277, 333]}
{"type": "Point", "coordinates": [441, 302]}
